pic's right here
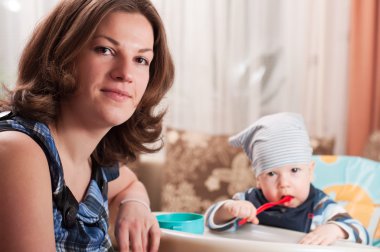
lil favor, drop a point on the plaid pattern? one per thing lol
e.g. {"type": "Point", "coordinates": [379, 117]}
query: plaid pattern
{"type": "Point", "coordinates": [91, 230]}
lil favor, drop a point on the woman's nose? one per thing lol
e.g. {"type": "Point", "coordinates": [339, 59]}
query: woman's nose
{"type": "Point", "coordinates": [122, 70]}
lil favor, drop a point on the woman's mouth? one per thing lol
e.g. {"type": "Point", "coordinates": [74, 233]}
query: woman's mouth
{"type": "Point", "coordinates": [116, 94]}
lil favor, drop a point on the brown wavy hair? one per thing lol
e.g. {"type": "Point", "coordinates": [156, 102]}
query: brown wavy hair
{"type": "Point", "coordinates": [46, 75]}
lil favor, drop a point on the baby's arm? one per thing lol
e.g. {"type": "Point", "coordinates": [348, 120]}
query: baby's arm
{"type": "Point", "coordinates": [332, 222]}
{"type": "Point", "coordinates": [324, 235]}
{"type": "Point", "coordinates": [353, 229]}
{"type": "Point", "coordinates": [224, 215]}
{"type": "Point", "coordinates": [235, 209]}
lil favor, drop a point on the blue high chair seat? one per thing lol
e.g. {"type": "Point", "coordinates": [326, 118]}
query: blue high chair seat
{"type": "Point", "coordinates": [353, 182]}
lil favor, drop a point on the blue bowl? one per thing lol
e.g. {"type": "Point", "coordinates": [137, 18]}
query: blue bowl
{"type": "Point", "coordinates": [184, 222]}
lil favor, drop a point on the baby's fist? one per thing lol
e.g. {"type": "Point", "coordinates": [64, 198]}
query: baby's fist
{"type": "Point", "coordinates": [242, 209]}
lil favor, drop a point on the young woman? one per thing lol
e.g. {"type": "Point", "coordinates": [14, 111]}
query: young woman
{"type": "Point", "coordinates": [89, 80]}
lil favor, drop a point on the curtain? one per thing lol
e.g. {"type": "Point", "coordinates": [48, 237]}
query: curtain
{"type": "Point", "coordinates": [364, 74]}
{"type": "Point", "coordinates": [237, 60]}
{"type": "Point", "coordinates": [17, 20]}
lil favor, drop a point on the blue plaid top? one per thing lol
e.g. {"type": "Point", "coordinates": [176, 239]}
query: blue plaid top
{"type": "Point", "coordinates": [91, 230]}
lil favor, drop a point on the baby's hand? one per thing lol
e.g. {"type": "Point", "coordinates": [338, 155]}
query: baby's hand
{"type": "Point", "coordinates": [324, 235]}
{"type": "Point", "coordinates": [241, 209]}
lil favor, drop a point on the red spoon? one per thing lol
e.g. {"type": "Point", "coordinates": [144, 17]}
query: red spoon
{"type": "Point", "coordinates": [266, 206]}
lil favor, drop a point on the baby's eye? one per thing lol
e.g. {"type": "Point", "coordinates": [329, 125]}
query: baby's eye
{"type": "Point", "coordinates": [142, 60]}
{"type": "Point", "coordinates": [103, 50]}
{"type": "Point", "coordinates": [295, 169]}
{"type": "Point", "coordinates": [271, 174]}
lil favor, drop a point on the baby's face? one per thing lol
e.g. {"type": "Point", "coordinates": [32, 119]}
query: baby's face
{"type": "Point", "coordinates": [293, 180]}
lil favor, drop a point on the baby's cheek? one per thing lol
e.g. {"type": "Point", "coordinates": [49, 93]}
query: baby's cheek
{"type": "Point", "coordinates": [302, 198]}
{"type": "Point", "coordinates": [270, 196]}
{"type": "Point", "coordinates": [294, 203]}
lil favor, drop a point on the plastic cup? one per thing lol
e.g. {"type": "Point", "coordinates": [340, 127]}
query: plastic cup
{"type": "Point", "coordinates": [184, 222]}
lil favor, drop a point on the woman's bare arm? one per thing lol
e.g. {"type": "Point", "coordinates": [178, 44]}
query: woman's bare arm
{"type": "Point", "coordinates": [136, 228]}
{"type": "Point", "coordinates": [126, 186]}
{"type": "Point", "coordinates": [26, 215]}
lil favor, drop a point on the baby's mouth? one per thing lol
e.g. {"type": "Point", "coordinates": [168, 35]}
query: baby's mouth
{"type": "Point", "coordinates": [287, 195]}
{"type": "Point", "coordinates": [289, 199]}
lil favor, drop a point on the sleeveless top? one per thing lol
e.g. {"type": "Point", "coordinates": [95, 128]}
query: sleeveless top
{"type": "Point", "coordinates": [89, 231]}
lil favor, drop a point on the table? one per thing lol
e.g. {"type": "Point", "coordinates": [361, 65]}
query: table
{"type": "Point", "coordinates": [249, 238]}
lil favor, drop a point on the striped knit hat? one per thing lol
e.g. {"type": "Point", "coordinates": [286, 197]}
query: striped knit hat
{"type": "Point", "coordinates": [274, 141]}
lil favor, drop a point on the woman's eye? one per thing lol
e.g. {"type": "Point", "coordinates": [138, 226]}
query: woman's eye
{"type": "Point", "coordinates": [103, 50]}
{"type": "Point", "coordinates": [142, 61]}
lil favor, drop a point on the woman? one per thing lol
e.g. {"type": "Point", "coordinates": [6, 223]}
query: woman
{"type": "Point", "coordinates": [89, 80]}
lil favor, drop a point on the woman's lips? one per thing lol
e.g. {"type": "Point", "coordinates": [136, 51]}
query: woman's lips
{"type": "Point", "coordinates": [116, 94]}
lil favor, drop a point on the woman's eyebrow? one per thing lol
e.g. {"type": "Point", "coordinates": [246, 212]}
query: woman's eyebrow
{"type": "Point", "coordinates": [145, 50]}
{"type": "Point", "coordinates": [115, 42]}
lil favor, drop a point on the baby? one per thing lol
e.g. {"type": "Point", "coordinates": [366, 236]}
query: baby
{"type": "Point", "coordinates": [278, 146]}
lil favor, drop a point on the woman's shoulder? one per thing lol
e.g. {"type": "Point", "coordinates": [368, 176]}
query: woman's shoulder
{"type": "Point", "coordinates": [17, 148]}
{"type": "Point", "coordinates": [33, 145]}
{"type": "Point", "coordinates": [23, 163]}
{"type": "Point", "coordinates": [18, 135]}
{"type": "Point", "coordinates": [19, 130]}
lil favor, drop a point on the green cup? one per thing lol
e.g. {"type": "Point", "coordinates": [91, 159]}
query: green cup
{"type": "Point", "coordinates": [184, 222]}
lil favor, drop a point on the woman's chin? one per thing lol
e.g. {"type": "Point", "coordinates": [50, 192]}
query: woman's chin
{"type": "Point", "coordinates": [115, 123]}
{"type": "Point", "coordinates": [115, 119]}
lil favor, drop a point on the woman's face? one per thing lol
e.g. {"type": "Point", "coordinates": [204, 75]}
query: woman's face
{"type": "Point", "coordinates": [293, 180]}
{"type": "Point", "coordinates": [112, 71]}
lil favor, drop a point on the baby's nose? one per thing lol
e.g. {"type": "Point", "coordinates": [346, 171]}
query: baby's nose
{"type": "Point", "coordinates": [283, 181]}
